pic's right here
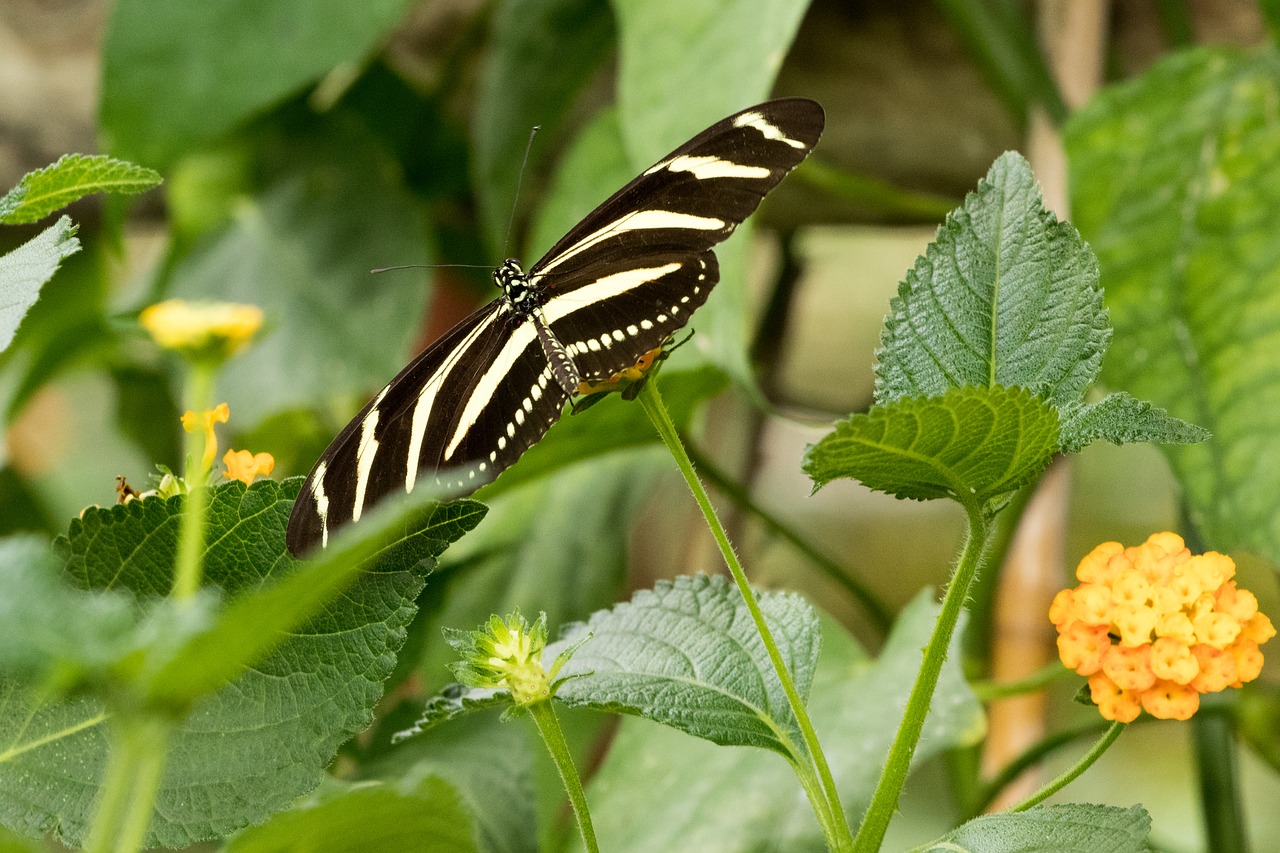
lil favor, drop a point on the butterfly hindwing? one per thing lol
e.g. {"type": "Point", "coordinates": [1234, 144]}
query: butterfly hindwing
{"type": "Point", "coordinates": [612, 289]}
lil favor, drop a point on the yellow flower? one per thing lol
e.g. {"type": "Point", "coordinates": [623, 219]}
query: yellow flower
{"type": "Point", "coordinates": [205, 420]}
{"type": "Point", "coordinates": [1154, 626]}
{"type": "Point", "coordinates": [201, 330]}
{"type": "Point", "coordinates": [244, 466]}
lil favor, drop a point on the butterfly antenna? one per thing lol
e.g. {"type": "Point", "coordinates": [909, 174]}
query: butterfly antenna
{"type": "Point", "coordinates": [429, 267]}
{"type": "Point", "coordinates": [515, 202]}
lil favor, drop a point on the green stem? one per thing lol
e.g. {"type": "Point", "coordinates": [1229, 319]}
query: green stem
{"type": "Point", "coordinates": [544, 717]}
{"type": "Point", "coordinates": [733, 490]}
{"type": "Point", "coordinates": [1030, 757]}
{"type": "Point", "coordinates": [187, 568]}
{"type": "Point", "coordinates": [1086, 761]}
{"type": "Point", "coordinates": [1219, 783]}
{"type": "Point", "coordinates": [135, 767]}
{"type": "Point", "coordinates": [830, 812]}
{"type": "Point", "coordinates": [884, 803]}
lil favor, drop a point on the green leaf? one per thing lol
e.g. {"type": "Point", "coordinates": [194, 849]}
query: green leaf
{"type": "Point", "coordinates": [431, 817]}
{"type": "Point", "coordinates": [1005, 295]}
{"type": "Point", "coordinates": [489, 762]}
{"type": "Point", "coordinates": [296, 705]}
{"type": "Point", "coordinates": [26, 269]}
{"type": "Point", "coordinates": [302, 250]}
{"type": "Point", "coordinates": [178, 75]}
{"type": "Point", "coordinates": [1121, 418]}
{"type": "Point", "coordinates": [970, 444]}
{"type": "Point", "coordinates": [688, 655]}
{"type": "Point", "coordinates": [717, 800]}
{"type": "Point", "coordinates": [74, 176]}
{"type": "Point", "coordinates": [541, 54]}
{"type": "Point", "coordinates": [685, 63]}
{"type": "Point", "coordinates": [1176, 184]}
{"type": "Point", "coordinates": [1069, 828]}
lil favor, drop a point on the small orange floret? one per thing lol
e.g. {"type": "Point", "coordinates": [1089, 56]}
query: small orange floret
{"type": "Point", "coordinates": [245, 466]}
{"type": "Point", "coordinates": [1154, 626]}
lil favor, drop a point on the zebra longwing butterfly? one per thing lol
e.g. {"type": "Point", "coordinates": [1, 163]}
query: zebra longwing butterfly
{"type": "Point", "coordinates": [614, 288]}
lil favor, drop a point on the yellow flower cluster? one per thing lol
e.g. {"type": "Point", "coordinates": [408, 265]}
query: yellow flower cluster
{"type": "Point", "coordinates": [214, 330]}
{"type": "Point", "coordinates": [1155, 626]}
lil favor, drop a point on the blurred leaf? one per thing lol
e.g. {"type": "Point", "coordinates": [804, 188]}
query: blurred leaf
{"type": "Point", "coordinates": [316, 689]}
{"type": "Point", "coordinates": [684, 64]}
{"type": "Point", "coordinates": [1004, 295]}
{"type": "Point", "coordinates": [489, 762]}
{"type": "Point", "coordinates": [431, 817]}
{"type": "Point", "coordinates": [1122, 419]}
{"type": "Point", "coordinates": [1068, 828]}
{"type": "Point", "coordinates": [26, 269]}
{"type": "Point", "coordinates": [178, 75]}
{"type": "Point", "coordinates": [968, 444]}
{"type": "Point", "coordinates": [541, 54]}
{"type": "Point", "coordinates": [1258, 719]}
{"type": "Point", "coordinates": [1177, 187]}
{"type": "Point", "coordinates": [1000, 38]}
{"type": "Point", "coordinates": [688, 655]}
{"type": "Point", "coordinates": [302, 250]}
{"type": "Point", "coordinates": [74, 176]}
{"type": "Point", "coordinates": [717, 800]}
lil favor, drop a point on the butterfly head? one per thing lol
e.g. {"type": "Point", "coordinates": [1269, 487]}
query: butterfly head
{"type": "Point", "coordinates": [510, 277]}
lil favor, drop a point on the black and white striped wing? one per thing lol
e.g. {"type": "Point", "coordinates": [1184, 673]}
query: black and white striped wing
{"type": "Point", "coordinates": [631, 273]}
{"type": "Point", "coordinates": [618, 284]}
{"type": "Point", "coordinates": [463, 410]}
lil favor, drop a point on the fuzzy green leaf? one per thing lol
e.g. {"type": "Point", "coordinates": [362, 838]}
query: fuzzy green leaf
{"type": "Point", "coordinates": [688, 655]}
{"type": "Point", "coordinates": [177, 75]}
{"type": "Point", "coordinates": [295, 706]}
{"type": "Point", "coordinates": [1176, 184]}
{"type": "Point", "coordinates": [1069, 828]}
{"type": "Point", "coordinates": [1005, 295]}
{"type": "Point", "coordinates": [716, 800]}
{"type": "Point", "coordinates": [26, 269]}
{"type": "Point", "coordinates": [1121, 418]}
{"type": "Point", "coordinates": [968, 444]}
{"type": "Point", "coordinates": [74, 176]}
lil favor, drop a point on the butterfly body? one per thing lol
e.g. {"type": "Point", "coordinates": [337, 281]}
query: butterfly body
{"type": "Point", "coordinates": [610, 291]}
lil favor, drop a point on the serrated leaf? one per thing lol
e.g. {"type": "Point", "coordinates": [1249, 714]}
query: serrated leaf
{"type": "Point", "coordinates": [1121, 418]}
{"type": "Point", "coordinates": [1005, 295]}
{"type": "Point", "coordinates": [253, 746]}
{"type": "Point", "coordinates": [26, 269]}
{"type": "Point", "coordinates": [688, 655]}
{"type": "Point", "coordinates": [302, 249]}
{"type": "Point", "coordinates": [177, 75]}
{"type": "Point", "coordinates": [970, 444]}
{"type": "Point", "coordinates": [716, 800]}
{"type": "Point", "coordinates": [540, 56]}
{"type": "Point", "coordinates": [73, 177]}
{"type": "Point", "coordinates": [431, 817]}
{"type": "Point", "coordinates": [1176, 183]}
{"type": "Point", "coordinates": [1069, 828]}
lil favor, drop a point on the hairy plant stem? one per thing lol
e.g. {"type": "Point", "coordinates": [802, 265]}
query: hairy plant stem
{"type": "Point", "coordinates": [139, 745]}
{"type": "Point", "coordinates": [544, 717]}
{"type": "Point", "coordinates": [827, 807]}
{"type": "Point", "coordinates": [1086, 761]}
{"type": "Point", "coordinates": [884, 803]}
{"type": "Point", "coordinates": [187, 566]}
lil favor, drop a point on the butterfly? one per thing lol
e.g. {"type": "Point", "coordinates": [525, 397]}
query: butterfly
{"type": "Point", "coordinates": [615, 287]}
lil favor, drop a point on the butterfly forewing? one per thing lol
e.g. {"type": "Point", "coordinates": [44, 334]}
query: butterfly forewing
{"type": "Point", "coordinates": [616, 286]}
